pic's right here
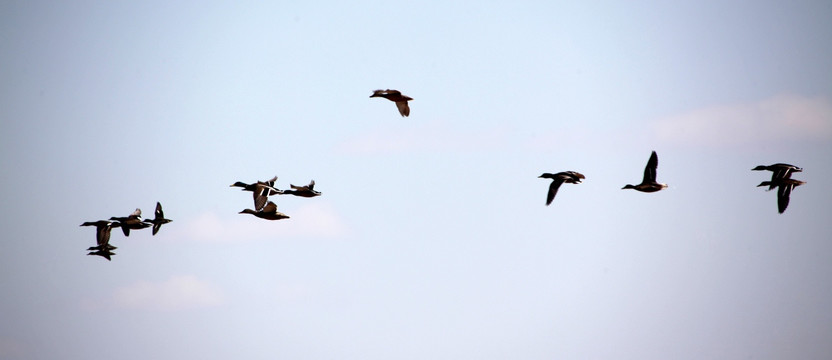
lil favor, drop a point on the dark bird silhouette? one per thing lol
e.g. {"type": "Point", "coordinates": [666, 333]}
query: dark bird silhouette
{"type": "Point", "coordinates": [251, 187]}
{"type": "Point", "coordinates": [304, 191]}
{"type": "Point", "coordinates": [784, 190]}
{"type": "Point", "coordinates": [102, 233]}
{"type": "Point", "coordinates": [106, 253]}
{"type": "Point", "coordinates": [778, 171]}
{"type": "Point", "coordinates": [396, 97]}
{"type": "Point", "coordinates": [648, 183]}
{"type": "Point", "coordinates": [570, 177]}
{"type": "Point", "coordinates": [102, 237]}
{"type": "Point", "coordinates": [132, 221]}
{"type": "Point", "coordinates": [269, 212]}
{"type": "Point", "coordinates": [159, 219]}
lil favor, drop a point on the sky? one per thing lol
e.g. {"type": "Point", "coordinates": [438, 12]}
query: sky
{"type": "Point", "coordinates": [431, 239]}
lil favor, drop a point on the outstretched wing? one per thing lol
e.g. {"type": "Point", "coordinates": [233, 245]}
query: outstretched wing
{"type": "Point", "coordinates": [783, 193]}
{"type": "Point", "coordinates": [261, 195]}
{"type": "Point", "coordinates": [159, 213]}
{"type": "Point", "coordinates": [404, 109]}
{"type": "Point", "coordinates": [553, 190]}
{"type": "Point", "coordinates": [650, 169]}
{"type": "Point", "coordinates": [271, 207]}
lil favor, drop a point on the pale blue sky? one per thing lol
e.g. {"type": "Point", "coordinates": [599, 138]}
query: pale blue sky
{"type": "Point", "coordinates": [431, 239]}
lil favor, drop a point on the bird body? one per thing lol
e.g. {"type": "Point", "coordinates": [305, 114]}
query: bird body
{"type": "Point", "coordinates": [132, 221]}
{"type": "Point", "coordinates": [784, 190]}
{"type": "Point", "coordinates": [648, 183]}
{"type": "Point", "coordinates": [102, 237]}
{"type": "Point", "coordinates": [778, 171]}
{"type": "Point", "coordinates": [304, 191]}
{"type": "Point", "coordinates": [158, 219]}
{"type": "Point", "coordinates": [268, 212]}
{"type": "Point", "coordinates": [396, 97]}
{"type": "Point", "coordinates": [570, 177]}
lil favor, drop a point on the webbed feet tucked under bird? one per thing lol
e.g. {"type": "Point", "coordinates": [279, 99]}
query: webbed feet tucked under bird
{"type": "Point", "coordinates": [397, 97]}
{"type": "Point", "coordinates": [784, 190]}
{"type": "Point", "coordinates": [304, 191]}
{"type": "Point", "coordinates": [102, 235]}
{"type": "Point", "coordinates": [132, 221]}
{"type": "Point", "coordinates": [159, 219]}
{"type": "Point", "coordinates": [570, 177]}
{"type": "Point", "coordinates": [778, 171]}
{"type": "Point", "coordinates": [269, 212]}
{"type": "Point", "coordinates": [648, 183]}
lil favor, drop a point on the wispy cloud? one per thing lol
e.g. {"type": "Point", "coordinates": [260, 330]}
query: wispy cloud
{"type": "Point", "coordinates": [177, 293]}
{"type": "Point", "coordinates": [786, 117]}
{"type": "Point", "coordinates": [313, 220]}
{"type": "Point", "coordinates": [433, 136]}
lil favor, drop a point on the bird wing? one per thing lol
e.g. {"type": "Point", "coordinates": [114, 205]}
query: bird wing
{"type": "Point", "coordinates": [159, 213]}
{"type": "Point", "coordinates": [403, 108]}
{"type": "Point", "coordinates": [156, 227]}
{"type": "Point", "coordinates": [650, 169]}
{"type": "Point", "coordinates": [261, 195]}
{"type": "Point", "coordinates": [783, 197]}
{"type": "Point", "coordinates": [271, 207]}
{"type": "Point", "coordinates": [311, 185]}
{"type": "Point", "coordinates": [136, 214]}
{"type": "Point", "coordinates": [553, 190]}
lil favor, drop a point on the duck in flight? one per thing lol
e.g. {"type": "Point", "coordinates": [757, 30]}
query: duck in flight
{"type": "Point", "coordinates": [784, 191]}
{"type": "Point", "coordinates": [102, 237]}
{"type": "Point", "coordinates": [159, 219]}
{"type": "Point", "coordinates": [132, 221]}
{"type": "Point", "coordinates": [268, 212]}
{"type": "Point", "coordinates": [778, 171]}
{"type": "Point", "coordinates": [304, 191]}
{"type": "Point", "coordinates": [396, 97]}
{"type": "Point", "coordinates": [648, 183]}
{"type": "Point", "coordinates": [570, 177]}
{"type": "Point", "coordinates": [251, 187]}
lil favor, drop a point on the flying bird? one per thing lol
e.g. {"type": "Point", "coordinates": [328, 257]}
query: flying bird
{"type": "Point", "coordinates": [251, 187]}
{"type": "Point", "coordinates": [132, 221]}
{"type": "Point", "coordinates": [649, 184]}
{"type": "Point", "coordinates": [159, 219]}
{"type": "Point", "coordinates": [784, 190]}
{"type": "Point", "coordinates": [304, 191]}
{"type": "Point", "coordinates": [778, 171]}
{"type": "Point", "coordinates": [570, 177]}
{"type": "Point", "coordinates": [396, 97]}
{"type": "Point", "coordinates": [102, 237]}
{"type": "Point", "coordinates": [268, 212]}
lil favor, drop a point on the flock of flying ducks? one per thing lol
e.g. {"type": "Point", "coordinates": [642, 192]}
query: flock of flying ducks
{"type": "Point", "coordinates": [126, 223]}
{"type": "Point", "coordinates": [780, 179]}
{"type": "Point", "coordinates": [265, 209]}
{"type": "Point", "coordinates": [261, 190]}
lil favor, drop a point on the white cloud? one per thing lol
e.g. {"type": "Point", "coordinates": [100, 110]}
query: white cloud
{"type": "Point", "coordinates": [312, 220]}
{"type": "Point", "coordinates": [786, 117]}
{"type": "Point", "coordinates": [177, 293]}
{"type": "Point", "coordinates": [434, 136]}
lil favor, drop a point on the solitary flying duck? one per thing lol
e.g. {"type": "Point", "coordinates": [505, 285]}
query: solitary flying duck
{"type": "Point", "coordinates": [397, 97]}
{"type": "Point", "coordinates": [570, 177]}
{"type": "Point", "coordinates": [649, 184]}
